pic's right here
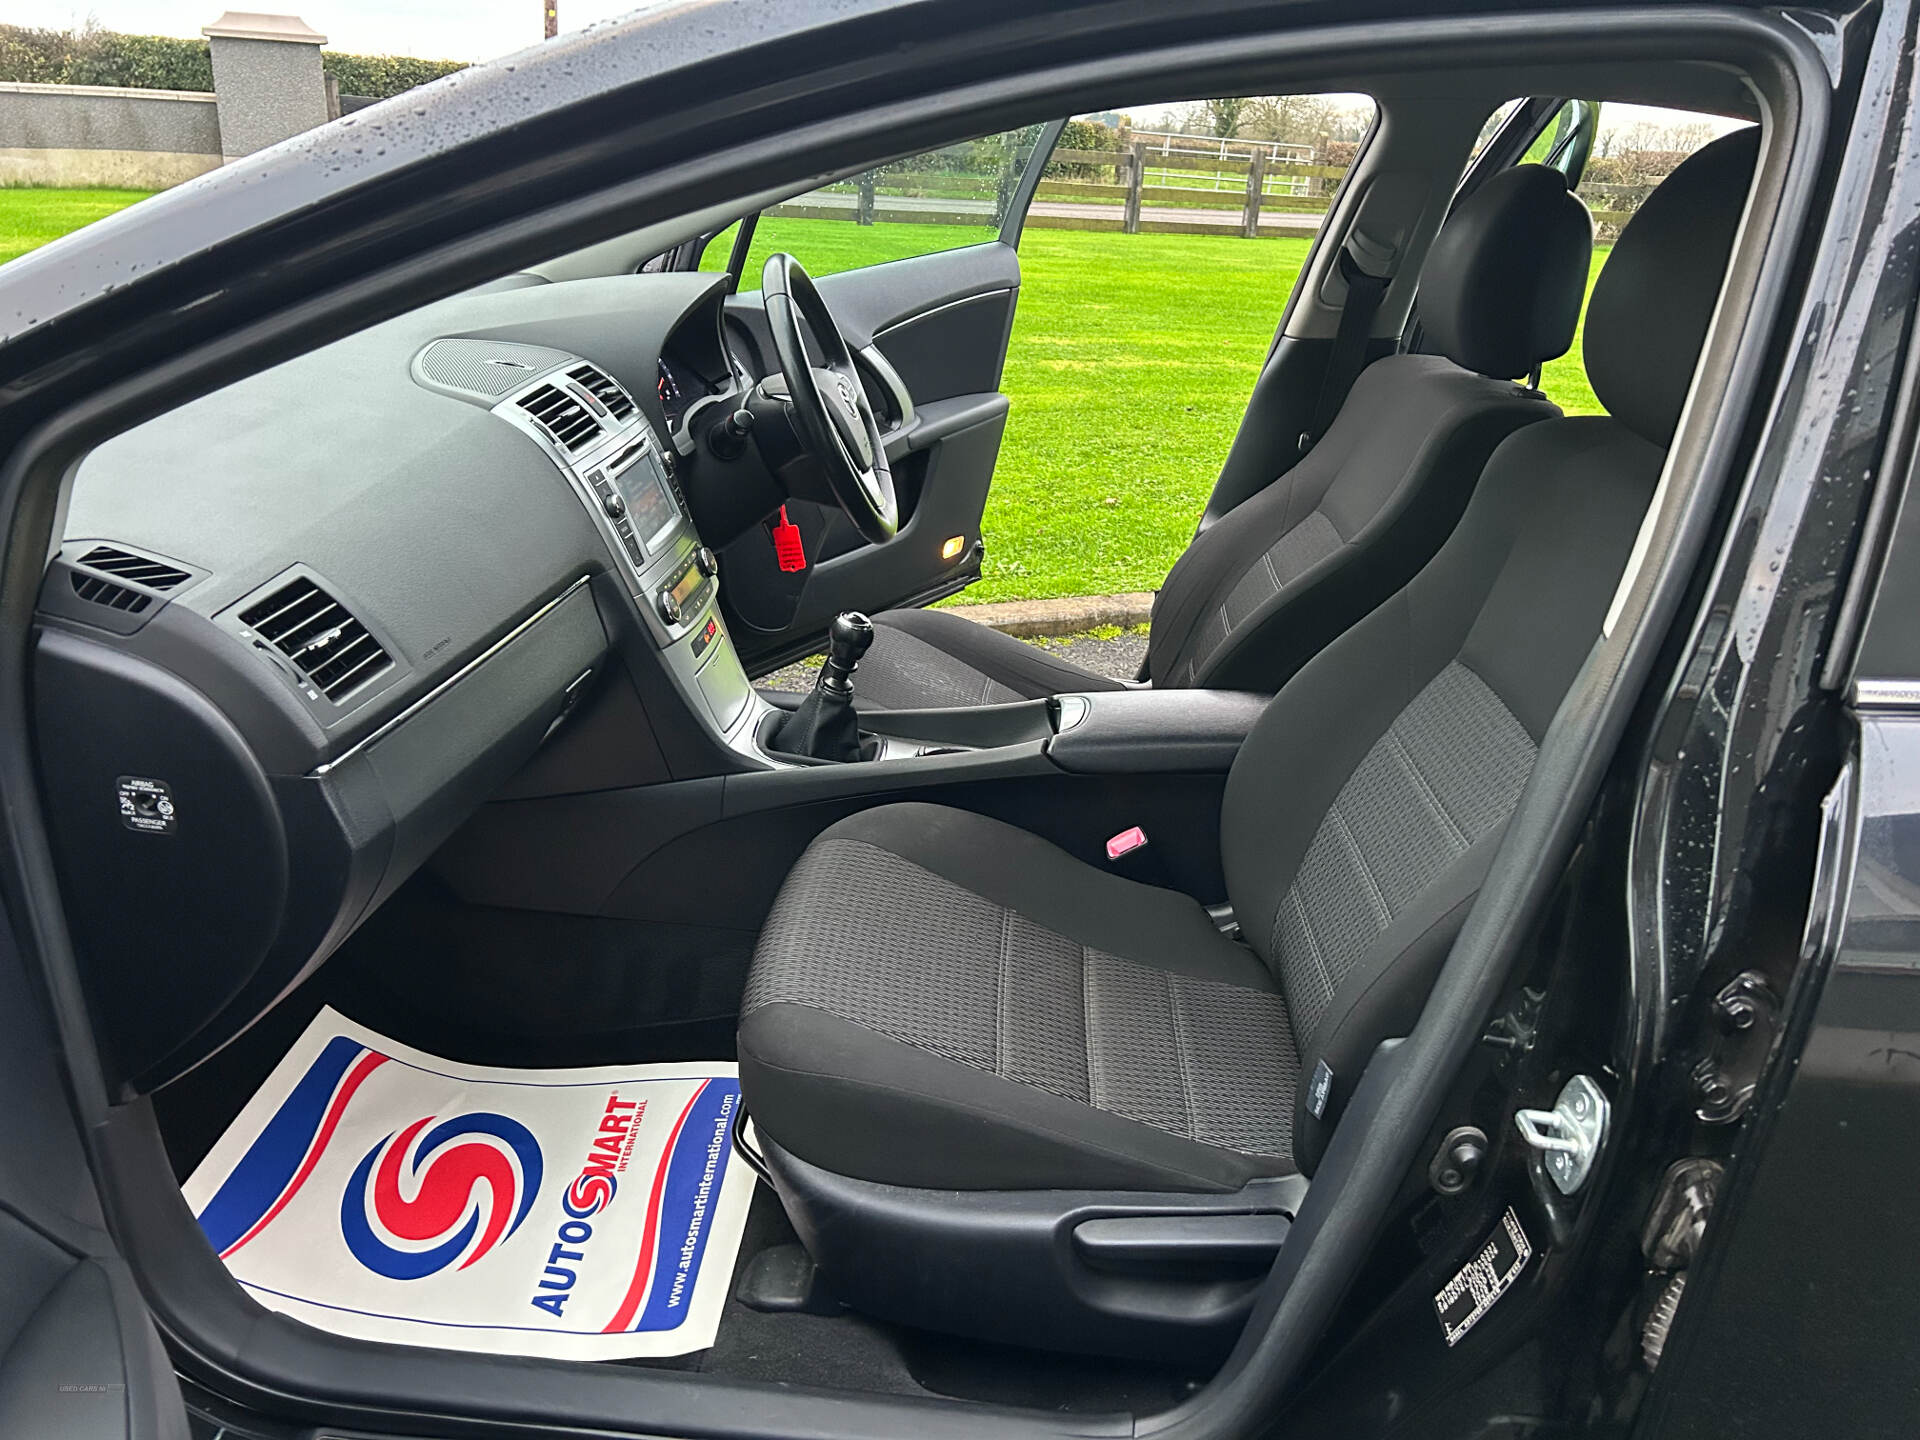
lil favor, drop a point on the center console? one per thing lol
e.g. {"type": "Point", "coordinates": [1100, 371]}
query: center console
{"type": "Point", "coordinates": [626, 479]}
{"type": "Point", "coordinates": [1133, 731]}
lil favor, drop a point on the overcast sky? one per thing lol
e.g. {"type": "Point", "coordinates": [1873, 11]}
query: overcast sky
{"type": "Point", "coordinates": [447, 30]}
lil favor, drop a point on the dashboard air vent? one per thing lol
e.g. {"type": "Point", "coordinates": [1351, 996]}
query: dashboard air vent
{"type": "Point", "coordinates": [604, 388]}
{"type": "Point", "coordinates": [151, 573]}
{"type": "Point", "coordinates": [101, 591]}
{"type": "Point", "coordinates": [326, 644]}
{"type": "Point", "coordinates": [563, 417]}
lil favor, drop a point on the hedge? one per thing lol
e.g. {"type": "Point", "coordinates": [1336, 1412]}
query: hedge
{"type": "Point", "coordinates": [160, 62]}
{"type": "Point", "coordinates": [383, 75]}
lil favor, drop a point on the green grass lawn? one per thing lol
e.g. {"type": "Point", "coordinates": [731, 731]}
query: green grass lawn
{"type": "Point", "coordinates": [1132, 359]}
{"type": "Point", "coordinates": [30, 218]}
{"type": "Point", "coordinates": [1130, 366]}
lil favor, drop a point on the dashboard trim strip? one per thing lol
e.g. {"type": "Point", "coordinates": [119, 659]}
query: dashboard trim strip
{"type": "Point", "coordinates": [389, 726]}
{"type": "Point", "coordinates": [917, 316]}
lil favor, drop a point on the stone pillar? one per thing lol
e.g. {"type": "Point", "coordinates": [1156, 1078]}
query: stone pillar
{"type": "Point", "coordinates": [266, 79]}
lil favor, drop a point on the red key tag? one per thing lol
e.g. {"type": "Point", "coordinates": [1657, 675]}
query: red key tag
{"type": "Point", "coordinates": [1126, 842]}
{"type": "Point", "coordinates": [787, 546]}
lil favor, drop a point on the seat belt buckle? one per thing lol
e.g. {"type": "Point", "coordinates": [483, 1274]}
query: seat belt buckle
{"type": "Point", "coordinates": [1133, 859]}
{"type": "Point", "coordinates": [788, 548]}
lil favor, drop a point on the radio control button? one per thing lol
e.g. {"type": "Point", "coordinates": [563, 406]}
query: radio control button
{"type": "Point", "coordinates": [628, 542]}
{"type": "Point", "coordinates": [615, 505]}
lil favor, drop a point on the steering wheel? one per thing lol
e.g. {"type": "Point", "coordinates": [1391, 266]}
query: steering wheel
{"type": "Point", "coordinates": [829, 404]}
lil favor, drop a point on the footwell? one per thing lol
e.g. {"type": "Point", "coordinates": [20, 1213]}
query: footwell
{"type": "Point", "coordinates": [379, 1192]}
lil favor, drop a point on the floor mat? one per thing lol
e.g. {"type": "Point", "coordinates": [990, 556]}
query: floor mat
{"type": "Point", "coordinates": [376, 1191]}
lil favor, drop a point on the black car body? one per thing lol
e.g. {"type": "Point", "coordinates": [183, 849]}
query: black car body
{"type": "Point", "coordinates": [1707, 899]}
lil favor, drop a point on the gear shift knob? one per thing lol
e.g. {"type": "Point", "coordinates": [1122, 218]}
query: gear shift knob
{"type": "Point", "coordinates": [825, 726]}
{"type": "Point", "coordinates": [847, 640]}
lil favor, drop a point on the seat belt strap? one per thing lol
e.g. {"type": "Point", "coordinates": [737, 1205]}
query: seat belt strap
{"type": "Point", "coordinates": [1349, 357]}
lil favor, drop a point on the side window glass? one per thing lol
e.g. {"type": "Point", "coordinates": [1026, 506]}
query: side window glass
{"type": "Point", "coordinates": [1496, 122]}
{"type": "Point", "coordinates": [1156, 261]}
{"type": "Point", "coordinates": [943, 199]}
{"type": "Point", "coordinates": [1567, 142]}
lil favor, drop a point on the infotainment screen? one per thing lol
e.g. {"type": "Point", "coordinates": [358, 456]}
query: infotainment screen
{"type": "Point", "coordinates": [648, 500]}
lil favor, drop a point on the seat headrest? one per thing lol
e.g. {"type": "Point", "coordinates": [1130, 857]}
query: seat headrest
{"type": "Point", "coordinates": [1501, 289]}
{"type": "Point", "coordinates": [1655, 296]}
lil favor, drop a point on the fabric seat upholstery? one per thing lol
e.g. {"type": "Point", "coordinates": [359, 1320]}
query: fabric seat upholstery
{"type": "Point", "coordinates": [945, 1002]}
{"type": "Point", "coordinates": [990, 1008]}
{"type": "Point", "coordinates": [1265, 587]}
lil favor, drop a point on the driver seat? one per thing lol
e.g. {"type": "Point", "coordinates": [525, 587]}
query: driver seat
{"type": "Point", "coordinates": [1267, 586]}
{"type": "Point", "coordinates": [1004, 1092]}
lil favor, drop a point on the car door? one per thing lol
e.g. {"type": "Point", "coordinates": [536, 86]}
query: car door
{"type": "Point", "coordinates": [919, 263]}
{"type": "Point", "coordinates": [79, 1356]}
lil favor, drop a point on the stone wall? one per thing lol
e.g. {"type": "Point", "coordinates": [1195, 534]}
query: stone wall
{"type": "Point", "coordinates": [268, 86]}
{"type": "Point", "coordinates": [97, 135]}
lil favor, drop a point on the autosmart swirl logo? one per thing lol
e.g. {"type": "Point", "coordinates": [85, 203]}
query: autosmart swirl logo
{"type": "Point", "coordinates": [589, 1194]}
{"type": "Point", "coordinates": [424, 1198]}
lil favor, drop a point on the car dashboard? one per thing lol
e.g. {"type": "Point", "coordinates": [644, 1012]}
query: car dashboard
{"type": "Point", "coordinates": [299, 629]}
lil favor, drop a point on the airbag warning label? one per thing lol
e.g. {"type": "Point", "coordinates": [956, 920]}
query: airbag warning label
{"type": "Point", "coordinates": [1484, 1279]}
{"type": "Point", "coordinates": [146, 805]}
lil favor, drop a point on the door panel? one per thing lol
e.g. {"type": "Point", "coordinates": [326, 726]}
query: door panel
{"type": "Point", "coordinates": [930, 335]}
{"type": "Point", "coordinates": [79, 1356]}
{"type": "Point", "coordinates": [958, 349]}
{"type": "Point", "coordinates": [82, 1360]}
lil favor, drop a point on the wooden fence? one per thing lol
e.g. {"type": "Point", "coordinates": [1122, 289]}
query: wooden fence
{"type": "Point", "coordinates": [1147, 176]}
{"type": "Point", "coordinates": [1147, 186]}
{"type": "Point", "coordinates": [1144, 175]}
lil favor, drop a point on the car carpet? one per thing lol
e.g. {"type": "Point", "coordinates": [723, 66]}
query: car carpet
{"type": "Point", "coordinates": [424, 935]}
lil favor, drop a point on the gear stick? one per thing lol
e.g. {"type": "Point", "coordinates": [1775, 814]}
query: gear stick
{"type": "Point", "coordinates": [826, 726]}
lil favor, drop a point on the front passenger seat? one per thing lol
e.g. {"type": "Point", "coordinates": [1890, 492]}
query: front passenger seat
{"type": "Point", "coordinates": [1268, 585]}
{"type": "Point", "coordinates": [962, 1047]}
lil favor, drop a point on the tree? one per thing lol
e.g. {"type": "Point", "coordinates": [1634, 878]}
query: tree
{"type": "Point", "coordinates": [1290, 119]}
{"type": "Point", "coordinates": [1082, 137]}
{"type": "Point", "coordinates": [1219, 118]}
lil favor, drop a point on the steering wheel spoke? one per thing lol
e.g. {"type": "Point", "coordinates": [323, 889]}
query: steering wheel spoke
{"type": "Point", "coordinates": [831, 413]}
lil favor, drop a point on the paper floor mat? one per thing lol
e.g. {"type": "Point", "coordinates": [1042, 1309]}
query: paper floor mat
{"type": "Point", "coordinates": [378, 1192]}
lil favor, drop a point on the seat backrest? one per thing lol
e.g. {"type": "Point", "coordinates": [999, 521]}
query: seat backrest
{"type": "Point", "coordinates": [1364, 810]}
{"type": "Point", "coordinates": [1272, 581]}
